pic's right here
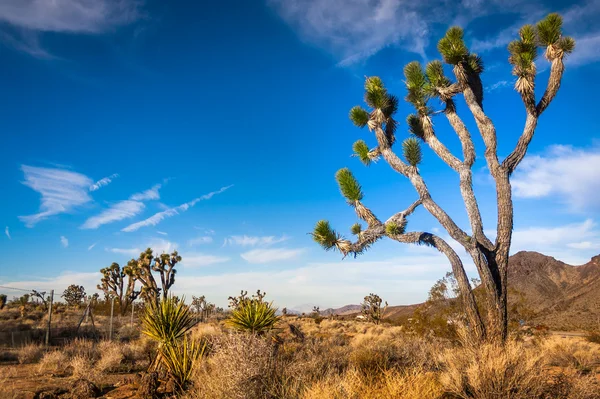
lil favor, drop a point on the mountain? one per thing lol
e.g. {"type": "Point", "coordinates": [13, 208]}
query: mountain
{"type": "Point", "coordinates": [559, 295]}
{"type": "Point", "coordinates": [343, 311]}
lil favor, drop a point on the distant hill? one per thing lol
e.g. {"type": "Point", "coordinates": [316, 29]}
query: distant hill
{"type": "Point", "coordinates": [561, 296]}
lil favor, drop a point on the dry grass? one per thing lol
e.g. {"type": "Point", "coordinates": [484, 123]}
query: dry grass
{"type": "Point", "coordinates": [82, 367]}
{"type": "Point", "coordinates": [111, 356]}
{"type": "Point", "coordinates": [31, 353]}
{"type": "Point", "coordinates": [572, 353]}
{"type": "Point", "coordinates": [53, 362]}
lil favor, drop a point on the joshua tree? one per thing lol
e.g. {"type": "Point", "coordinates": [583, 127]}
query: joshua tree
{"type": "Point", "coordinates": [371, 308]}
{"type": "Point", "coordinates": [2, 301]}
{"type": "Point", "coordinates": [42, 296]}
{"type": "Point", "coordinates": [119, 283]}
{"type": "Point", "coordinates": [74, 294]}
{"type": "Point", "coordinates": [430, 83]}
{"type": "Point", "coordinates": [141, 269]}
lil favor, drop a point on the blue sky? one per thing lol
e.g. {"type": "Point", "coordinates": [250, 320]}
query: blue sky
{"type": "Point", "coordinates": [215, 128]}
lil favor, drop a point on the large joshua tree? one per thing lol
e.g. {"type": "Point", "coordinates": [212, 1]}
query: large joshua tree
{"type": "Point", "coordinates": [119, 283]}
{"type": "Point", "coordinates": [430, 83]}
{"type": "Point", "coordinates": [142, 270]}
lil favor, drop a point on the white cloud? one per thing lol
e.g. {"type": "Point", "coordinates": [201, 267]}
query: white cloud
{"type": "Point", "coordinates": [158, 217]}
{"type": "Point", "coordinates": [162, 233]}
{"type": "Point", "coordinates": [270, 255]}
{"type": "Point", "coordinates": [200, 240]}
{"type": "Point", "coordinates": [7, 232]}
{"type": "Point", "coordinates": [160, 245]}
{"type": "Point", "coordinates": [61, 190]}
{"type": "Point", "coordinates": [150, 194]}
{"type": "Point", "coordinates": [251, 241]}
{"type": "Point", "coordinates": [103, 182]}
{"type": "Point", "coordinates": [399, 280]}
{"type": "Point", "coordinates": [84, 16]}
{"type": "Point", "coordinates": [119, 211]}
{"type": "Point", "coordinates": [92, 246]}
{"type": "Point", "coordinates": [193, 260]}
{"type": "Point", "coordinates": [133, 252]}
{"type": "Point", "coordinates": [354, 30]}
{"type": "Point", "coordinates": [499, 85]}
{"type": "Point", "coordinates": [64, 241]}
{"type": "Point", "coordinates": [586, 50]}
{"type": "Point", "coordinates": [58, 283]}
{"type": "Point", "coordinates": [563, 172]}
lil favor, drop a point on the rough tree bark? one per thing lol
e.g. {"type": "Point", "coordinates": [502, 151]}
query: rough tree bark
{"type": "Point", "coordinates": [490, 258]}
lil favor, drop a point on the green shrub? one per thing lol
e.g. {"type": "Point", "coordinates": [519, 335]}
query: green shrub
{"type": "Point", "coordinates": [254, 316]}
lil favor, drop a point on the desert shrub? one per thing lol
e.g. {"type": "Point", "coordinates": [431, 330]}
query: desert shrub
{"type": "Point", "coordinates": [8, 356]}
{"type": "Point", "coordinates": [82, 367]}
{"type": "Point", "coordinates": [254, 316]}
{"type": "Point", "coordinates": [493, 371]}
{"type": "Point", "coordinates": [593, 336]}
{"type": "Point", "coordinates": [30, 353]}
{"type": "Point", "coordinates": [53, 362]}
{"type": "Point", "coordinates": [128, 333]}
{"type": "Point", "coordinates": [111, 356]}
{"type": "Point", "coordinates": [81, 348]}
{"type": "Point", "coordinates": [578, 354]}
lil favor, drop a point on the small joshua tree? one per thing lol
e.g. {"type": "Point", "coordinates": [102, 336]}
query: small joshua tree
{"type": "Point", "coordinates": [371, 308]}
{"type": "Point", "coordinates": [430, 83]}
{"type": "Point", "coordinates": [42, 297]}
{"type": "Point", "coordinates": [119, 283]}
{"type": "Point", "coordinates": [74, 295]}
{"type": "Point", "coordinates": [2, 301]}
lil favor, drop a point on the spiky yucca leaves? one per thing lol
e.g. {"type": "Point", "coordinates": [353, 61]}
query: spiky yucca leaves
{"type": "Point", "coordinates": [349, 187]}
{"type": "Point", "coordinates": [412, 151]}
{"type": "Point", "coordinates": [359, 116]}
{"type": "Point", "coordinates": [356, 229]}
{"type": "Point", "coordinates": [167, 321]}
{"type": "Point", "coordinates": [254, 316]}
{"type": "Point", "coordinates": [452, 46]}
{"type": "Point", "coordinates": [549, 29]}
{"type": "Point", "coordinates": [361, 150]}
{"type": "Point", "coordinates": [414, 126]}
{"type": "Point", "coordinates": [417, 86]}
{"type": "Point", "coordinates": [328, 238]}
{"type": "Point", "coordinates": [394, 229]}
{"type": "Point", "coordinates": [437, 80]}
{"type": "Point", "coordinates": [375, 93]}
{"type": "Point", "coordinates": [180, 360]}
{"type": "Point", "coordinates": [523, 53]}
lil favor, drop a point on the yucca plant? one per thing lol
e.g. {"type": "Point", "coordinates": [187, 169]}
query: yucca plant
{"type": "Point", "coordinates": [166, 322]}
{"type": "Point", "coordinates": [254, 316]}
{"type": "Point", "coordinates": [179, 360]}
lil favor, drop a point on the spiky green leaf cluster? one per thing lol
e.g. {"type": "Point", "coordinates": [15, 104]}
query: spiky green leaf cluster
{"type": "Point", "coordinates": [475, 63]}
{"type": "Point", "coordinates": [376, 95]}
{"type": "Point", "coordinates": [452, 46]}
{"type": "Point", "coordinates": [566, 44]}
{"type": "Point", "coordinates": [411, 149]}
{"type": "Point", "coordinates": [356, 229]}
{"type": "Point", "coordinates": [253, 316]}
{"type": "Point", "coordinates": [361, 150]}
{"type": "Point", "coordinates": [416, 85]}
{"type": "Point", "coordinates": [549, 30]}
{"type": "Point", "coordinates": [359, 116]}
{"type": "Point", "coordinates": [349, 187]}
{"type": "Point", "coordinates": [523, 52]}
{"type": "Point", "coordinates": [391, 107]}
{"type": "Point", "coordinates": [324, 235]}
{"type": "Point", "coordinates": [167, 321]}
{"type": "Point", "coordinates": [414, 125]}
{"type": "Point", "coordinates": [180, 360]}
{"type": "Point", "coordinates": [392, 229]}
{"type": "Point", "coordinates": [435, 75]}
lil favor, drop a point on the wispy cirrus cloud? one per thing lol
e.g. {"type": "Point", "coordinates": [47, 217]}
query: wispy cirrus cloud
{"type": "Point", "coordinates": [150, 194]}
{"type": "Point", "coordinates": [92, 246]}
{"type": "Point", "coordinates": [27, 19]}
{"type": "Point", "coordinates": [7, 232]}
{"type": "Point", "coordinates": [160, 216]}
{"type": "Point", "coordinates": [268, 255]}
{"type": "Point", "coordinates": [200, 240]}
{"type": "Point", "coordinates": [64, 241]}
{"type": "Point", "coordinates": [61, 190]}
{"type": "Point", "coordinates": [355, 30]}
{"type": "Point", "coordinates": [119, 211]}
{"type": "Point", "coordinates": [194, 260]}
{"type": "Point", "coordinates": [251, 241]}
{"type": "Point", "coordinates": [133, 252]}
{"type": "Point", "coordinates": [103, 182]}
{"type": "Point", "coordinates": [564, 172]}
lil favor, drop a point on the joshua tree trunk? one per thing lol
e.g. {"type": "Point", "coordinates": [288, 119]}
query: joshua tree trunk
{"type": "Point", "coordinates": [490, 258]}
